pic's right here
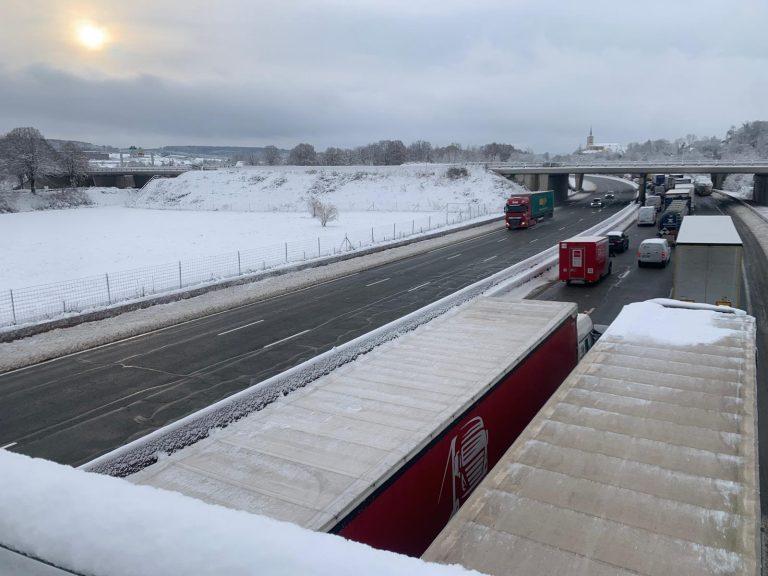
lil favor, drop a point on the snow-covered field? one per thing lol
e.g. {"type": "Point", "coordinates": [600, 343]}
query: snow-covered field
{"type": "Point", "coordinates": [416, 187]}
{"type": "Point", "coordinates": [42, 247]}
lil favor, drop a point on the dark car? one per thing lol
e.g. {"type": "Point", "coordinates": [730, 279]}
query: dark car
{"type": "Point", "coordinates": [610, 196]}
{"type": "Point", "coordinates": [618, 241]}
{"type": "Point", "coordinates": [596, 203]}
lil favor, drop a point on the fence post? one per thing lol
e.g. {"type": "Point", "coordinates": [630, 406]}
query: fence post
{"type": "Point", "coordinates": [239, 268]}
{"type": "Point", "coordinates": [180, 286]}
{"type": "Point", "coordinates": [318, 246]}
{"type": "Point", "coordinates": [286, 252]}
{"type": "Point", "coordinates": [429, 225]}
{"type": "Point", "coordinates": [109, 293]}
{"type": "Point", "coordinates": [371, 234]}
{"type": "Point", "coordinates": [413, 226]}
{"type": "Point", "coordinates": [394, 230]}
{"type": "Point", "coordinates": [13, 306]}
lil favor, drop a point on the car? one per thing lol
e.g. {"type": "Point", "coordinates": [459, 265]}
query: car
{"type": "Point", "coordinates": [596, 203]}
{"type": "Point", "coordinates": [610, 196]}
{"type": "Point", "coordinates": [653, 251]}
{"type": "Point", "coordinates": [618, 241]}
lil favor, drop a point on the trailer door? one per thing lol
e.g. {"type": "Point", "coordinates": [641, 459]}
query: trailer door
{"type": "Point", "coordinates": [576, 257]}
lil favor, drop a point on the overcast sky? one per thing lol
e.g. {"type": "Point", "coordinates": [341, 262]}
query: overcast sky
{"type": "Point", "coordinates": [535, 73]}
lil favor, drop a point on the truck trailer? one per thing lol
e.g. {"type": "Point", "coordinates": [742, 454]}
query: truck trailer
{"type": "Point", "coordinates": [708, 263]}
{"type": "Point", "coordinates": [643, 462]}
{"type": "Point", "coordinates": [525, 210]}
{"type": "Point", "coordinates": [671, 220]}
{"type": "Point", "coordinates": [385, 449]}
{"type": "Point", "coordinates": [584, 259]}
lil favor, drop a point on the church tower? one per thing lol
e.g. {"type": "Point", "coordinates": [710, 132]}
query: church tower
{"type": "Point", "coordinates": [590, 139]}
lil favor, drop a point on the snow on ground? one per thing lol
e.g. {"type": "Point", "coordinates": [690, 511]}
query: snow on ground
{"type": "Point", "coordinates": [415, 187]}
{"type": "Point", "coordinates": [42, 247]}
{"type": "Point", "coordinates": [25, 201]}
{"type": "Point", "coordinates": [739, 185]}
{"type": "Point", "coordinates": [96, 524]}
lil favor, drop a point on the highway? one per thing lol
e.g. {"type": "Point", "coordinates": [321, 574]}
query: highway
{"type": "Point", "coordinates": [75, 408]}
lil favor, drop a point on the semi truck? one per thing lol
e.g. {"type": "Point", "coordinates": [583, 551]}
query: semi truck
{"type": "Point", "coordinates": [525, 210]}
{"type": "Point", "coordinates": [584, 259]}
{"type": "Point", "coordinates": [672, 219]}
{"type": "Point", "coordinates": [708, 263]}
{"type": "Point", "coordinates": [385, 449]}
{"type": "Point", "coordinates": [643, 462]}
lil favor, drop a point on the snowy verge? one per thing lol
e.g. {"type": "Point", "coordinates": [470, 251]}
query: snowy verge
{"type": "Point", "coordinates": [144, 451]}
{"type": "Point", "coordinates": [63, 198]}
{"type": "Point", "coordinates": [760, 211]}
{"type": "Point", "coordinates": [104, 303]}
{"type": "Point", "coordinates": [85, 335]}
{"type": "Point", "coordinates": [94, 524]}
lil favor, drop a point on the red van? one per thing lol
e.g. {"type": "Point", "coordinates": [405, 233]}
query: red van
{"type": "Point", "coordinates": [584, 259]}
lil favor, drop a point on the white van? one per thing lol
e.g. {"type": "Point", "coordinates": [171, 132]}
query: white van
{"type": "Point", "coordinates": [653, 200]}
{"type": "Point", "coordinates": [646, 216]}
{"type": "Point", "coordinates": [654, 251]}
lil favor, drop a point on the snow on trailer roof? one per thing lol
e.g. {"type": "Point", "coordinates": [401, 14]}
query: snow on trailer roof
{"type": "Point", "coordinates": [584, 239]}
{"type": "Point", "coordinates": [311, 457]}
{"type": "Point", "coordinates": [711, 230]}
{"type": "Point", "coordinates": [643, 462]}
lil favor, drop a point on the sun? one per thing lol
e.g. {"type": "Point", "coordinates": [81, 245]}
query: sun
{"type": "Point", "coordinates": [92, 36]}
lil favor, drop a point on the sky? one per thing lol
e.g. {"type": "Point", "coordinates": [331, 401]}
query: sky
{"type": "Point", "coordinates": [534, 73]}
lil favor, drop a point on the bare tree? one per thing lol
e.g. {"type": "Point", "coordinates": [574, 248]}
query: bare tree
{"type": "Point", "coordinates": [272, 156]}
{"type": "Point", "coordinates": [326, 212]}
{"type": "Point", "coordinates": [28, 155]}
{"type": "Point", "coordinates": [314, 206]}
{"type": "Point", "coordinates": [302, 155]}
{"type": "Point", "coordinates": [73, 163]}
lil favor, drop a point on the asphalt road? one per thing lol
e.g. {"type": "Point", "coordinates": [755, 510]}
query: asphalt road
{"type": "Point", "coordinates": [75, 408]}
{"type": "Point", "coordinates": [628, 283]}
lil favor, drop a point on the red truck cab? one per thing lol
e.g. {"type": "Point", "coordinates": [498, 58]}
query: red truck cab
{"type": "Point", "coordinates": [584, 259]}
{"type": "Point", "coordinates": [517, 212]}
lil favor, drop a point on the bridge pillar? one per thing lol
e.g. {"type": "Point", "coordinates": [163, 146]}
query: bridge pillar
{"type": "Point", "coordinates": [717, 181]}
{"type": "Point", "coordinates": [125, 181]}
{"type": "Point", "coordinates": [641, 190]}
{"type": "Point", "coordinates": [559, 184]}
{"type": "Point", "coordinates": [579, 182]}
{"type": "Point", "coordinates": [760, 190]}
{"type": "Point", "coordinates": [103, 181]}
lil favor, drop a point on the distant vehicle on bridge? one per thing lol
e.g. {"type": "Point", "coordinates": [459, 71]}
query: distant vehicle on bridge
{"type": "Point", "coordinates": [525, 210]}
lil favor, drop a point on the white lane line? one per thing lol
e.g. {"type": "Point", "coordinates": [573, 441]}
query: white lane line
{"type": "Point", "coordinates": [284, 339]}
{"type": "Point", "coordinates": [7, 445]}
{"type": "Point", "coordinates": [454, 256]}
{"type": "Point", "coordinates": [502, 240]}
{"type": "Point", "coordinates": [563, 228]}
{"type": "Point", "coordinates": [239, 327]}
{"type": "Point", "coordinates": [490, 258]}
{"type": "Point", "coordinates": [417, 287]}
{"type": "Point", "coordinates": [377, 282]}
{"type": "Point", "coordinates": [534, 240]}
{"type": "Point", "coordinates": [579, 220]}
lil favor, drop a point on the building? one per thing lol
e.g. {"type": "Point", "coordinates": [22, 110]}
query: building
{"type": "Point", "coordinates": [606, 148]}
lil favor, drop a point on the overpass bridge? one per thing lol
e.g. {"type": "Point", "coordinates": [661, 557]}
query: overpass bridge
{"type": "Point", "coordinates": [554, 176]}
{"type": "Point", "coordinates": [132, 176]}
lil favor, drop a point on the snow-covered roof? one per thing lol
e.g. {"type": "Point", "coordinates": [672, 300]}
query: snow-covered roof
{"type": "Point", "coordinates": [95, 524]}
{"type": "Point", "coordinates": [614, 233]}
{"type": "Point", "coordinates": [643, 462]}
{"type": "Point", "coordinates": [654, 241]}
{"type": "Point", "coordinates": [712, 230]}
{"type": "Point", "coordinates": [584, 239]}
{"type": "Point", "coordinates": [313, 456]}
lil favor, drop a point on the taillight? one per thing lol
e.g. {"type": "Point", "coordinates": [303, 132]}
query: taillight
{"type": "Point", "coordinates": [663, 254]}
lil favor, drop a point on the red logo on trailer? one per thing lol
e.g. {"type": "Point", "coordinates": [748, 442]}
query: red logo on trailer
{"type": "Point", "coordinates": [467, 461]}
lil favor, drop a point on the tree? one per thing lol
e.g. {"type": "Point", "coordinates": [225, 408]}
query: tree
{"type": "Point", "coordinates": [28, 155]}
{"type": "Point", "coordinates": [326, 212]}
{"type": "Point", "coordinates": [272, 155]}
{"type": "Point", "coordinates": [420, 151]}
{"type": "Point", "coordinates": [335, 157]}
{"type": "Point", "coordinates": [302, 155]}
{"type": "Point", "coordinates": [73, 163]}
{"type": "Point", "coordinates": [395, 152]}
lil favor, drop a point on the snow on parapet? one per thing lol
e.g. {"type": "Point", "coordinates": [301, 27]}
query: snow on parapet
{"type": "Point", "coordinates": [287, 188]}
{"type": "Point", "coordinates": [672, 322]}
{"type": "Point", "coordinates": [94, 524]}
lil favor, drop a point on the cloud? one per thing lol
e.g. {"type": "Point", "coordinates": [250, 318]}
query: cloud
{"type": "Point", "coordinates": [343, 73]}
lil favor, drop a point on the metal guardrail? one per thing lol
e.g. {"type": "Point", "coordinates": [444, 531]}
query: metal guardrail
{"type": "Point", "coordinates": [143, 451]}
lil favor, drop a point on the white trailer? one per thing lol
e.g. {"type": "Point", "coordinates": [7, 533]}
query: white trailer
{"type": "Point", "coordinates": [708, 261]}
{"type": "Point", "coordinates": [644, 462]}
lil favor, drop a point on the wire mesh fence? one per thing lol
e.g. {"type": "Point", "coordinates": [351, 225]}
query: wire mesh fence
{"type": "Point", "coordinates": [47, 301]}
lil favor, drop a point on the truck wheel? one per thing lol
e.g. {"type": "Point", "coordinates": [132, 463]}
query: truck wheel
{"type": "Point", "coordinates": [640, 263]}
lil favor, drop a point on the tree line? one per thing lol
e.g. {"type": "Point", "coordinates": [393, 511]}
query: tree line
{"type": "Point", "coordinates": [387, 153]}
{"type": "Point", "coordinates": [29, 157]}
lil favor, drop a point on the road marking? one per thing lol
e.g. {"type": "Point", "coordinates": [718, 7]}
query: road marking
{"type": "Point", "coordinates": [7, 445]}
{"type": "Point", "coordinates": [417, 287]}
{"type": "Point", "coordinates": [563, 228]}
{"type": "Point", "coordinates": [502, 240]}
{"type": "Point", "coordinates": [589, 311]}
{"type": "Point", "coordinates": [491, 258]}
{"type": "Point", "coordinates": [625, 274]}
{"type": "Point", "coordinates": [377, 282]}
{"type": "Point", "coordinates": [454, 256]}
{"type": "Point", "coordinates": [579, 220]}
{"type": "Point", "coordinates": [239, 327]}
{"type": "Point", "coordinates": [284, 339]}
{"type": "Point", "coordinates": [532, 241]}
